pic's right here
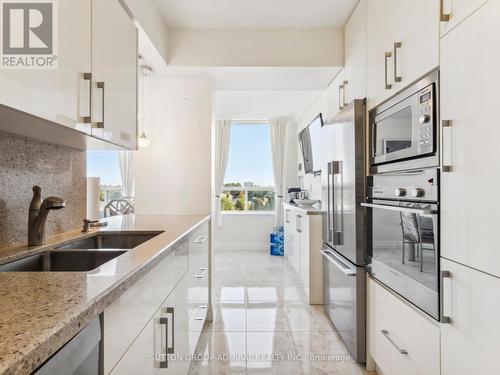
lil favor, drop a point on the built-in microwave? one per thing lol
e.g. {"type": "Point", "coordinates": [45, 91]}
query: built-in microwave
{"type": "Point", "coordinates": [404, 129]}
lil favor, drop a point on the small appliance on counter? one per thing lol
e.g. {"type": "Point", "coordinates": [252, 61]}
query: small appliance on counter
{"type": "Point", "coordinates": [296, 193]}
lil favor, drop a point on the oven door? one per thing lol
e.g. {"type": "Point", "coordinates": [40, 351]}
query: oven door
{"type": "Point", "coordinates": [404, 252]}
{"type": "Point", "coordinates": [402, 131]}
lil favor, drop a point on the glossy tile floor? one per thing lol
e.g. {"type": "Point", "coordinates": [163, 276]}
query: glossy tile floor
{"type": "Point", "coordinates": [264, 325]}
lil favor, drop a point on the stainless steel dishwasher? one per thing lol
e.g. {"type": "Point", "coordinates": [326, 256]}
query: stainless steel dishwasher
{"type": "Point", "coordinates": [80, 356]}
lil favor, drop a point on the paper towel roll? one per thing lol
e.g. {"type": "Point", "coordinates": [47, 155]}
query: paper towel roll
{"type": "Point", "coordinates": [93, 197]}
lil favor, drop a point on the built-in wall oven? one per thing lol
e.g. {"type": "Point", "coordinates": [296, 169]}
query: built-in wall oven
{"type": "Point", "coordinates": [403, 239]}
{"type": "Point", "coordinates": [404, 129]}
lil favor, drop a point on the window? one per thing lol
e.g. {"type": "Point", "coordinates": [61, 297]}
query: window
{"type": "Point", "coordinates": [105, 164]}
{"type": "Point", "coordinates": [249, 183]}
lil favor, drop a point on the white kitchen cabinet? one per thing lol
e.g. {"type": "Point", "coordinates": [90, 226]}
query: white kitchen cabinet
{"type": "Point", "coordinates": [469, 343]}
{"type": "Point", "coordinates": [292, 244]}
{"type": "Point", "coordinates": [402, 44]}
{"type": "Point", "coordinates": [455, 11]}
{"type": "Point", "coordinates": [303, 239]}
{"type": "Point", "coordinates": [60, 95]}
{"type": "Point", "coordinates": [335, 96]}
{"type": "Point", "coordinates": [126, 317]}
{"type": "Point", "coordinates": [114, 74]}
{"type": "Point", "coordinates": [355, 54]}
{"type": "Point", "coordinates": [94, 87]}
{"type": "Point", "coordinates": [401, 340]}
{"type": "Point", "coordinates": [417, 29]}
{"type": "Point", "coordinates": [470, 78]}
{"type": "Point", "coordinates": [379, 44]}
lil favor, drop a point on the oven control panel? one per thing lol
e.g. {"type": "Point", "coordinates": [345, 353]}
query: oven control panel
{"type": "Point", "coordinates": [420, 185]}
{"type": "Point", "coordinates": [425, 119]}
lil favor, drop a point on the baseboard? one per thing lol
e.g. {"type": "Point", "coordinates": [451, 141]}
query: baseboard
{"type": "Point", "coordinates": [257, 246]}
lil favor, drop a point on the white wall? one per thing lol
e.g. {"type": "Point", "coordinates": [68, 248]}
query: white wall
{"type": "Point", "coordinates": [256, 47]}
{"type": "Point", "coordinates": [173, 174]}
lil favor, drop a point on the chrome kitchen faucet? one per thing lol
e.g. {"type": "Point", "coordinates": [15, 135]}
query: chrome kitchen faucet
{"type": "Point", "coordinates": [38, 215]}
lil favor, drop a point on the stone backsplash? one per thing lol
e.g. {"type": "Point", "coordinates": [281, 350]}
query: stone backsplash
{"type": "Point", "coordinates": [59, 171]}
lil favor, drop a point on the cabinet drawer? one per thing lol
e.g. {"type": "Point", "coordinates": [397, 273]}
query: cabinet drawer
{"type": "Point", "coordinates": [404, 341]}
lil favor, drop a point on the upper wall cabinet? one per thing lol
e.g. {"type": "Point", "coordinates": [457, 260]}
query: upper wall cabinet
{"type": "Point", "coordinates": [402, 41]}
{"type": "Point", "coordinates": [60, 95]}
{"type": "Point", "coordinates": [114, 74]}
{"type": "Point", "coordinates": [96, 55]}
{"type": "Point", "coordinates": [455, 11]}
{"type": "Point", "coordinates": [355, 54]}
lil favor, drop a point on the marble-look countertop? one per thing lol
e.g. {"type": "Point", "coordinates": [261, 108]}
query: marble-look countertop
{"type": "Point", "coordinates": [41, 311]}
{"type": "Point", "coordinates": [308, 210]}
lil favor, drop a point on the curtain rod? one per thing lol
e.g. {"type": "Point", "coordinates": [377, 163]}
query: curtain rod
{"type": "Point", "coordinates": [259, 121]}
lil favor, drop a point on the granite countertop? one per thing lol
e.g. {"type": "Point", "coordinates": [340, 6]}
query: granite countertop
{"type": "Point", "coordinates": [308, 210]}
{"type": "Point", "coordinates": [41, 311]}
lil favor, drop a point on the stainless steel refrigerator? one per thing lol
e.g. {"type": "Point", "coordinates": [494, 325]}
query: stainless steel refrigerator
{"type": "Point", "coordinates": [344, 225]}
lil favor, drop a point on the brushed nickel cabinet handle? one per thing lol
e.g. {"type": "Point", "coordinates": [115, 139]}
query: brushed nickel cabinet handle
{"type": "Point", "coordinates": [198, 317]}
{"type": "Point", "coordinates": [446, 162]}
{"type": "Point", "coordinates": [88, 119]}
{"type": "Point", "coordinates": [386, 334]}
{"type": "Point", "coordinates": [200, 274]}
{"type": "Point", "coordinates": [200, 239]}
{"type": "Point", "coordinates": [299, 223]}
{"type": "Point", "coordinates": [343, 94]}
{"type": "Point", "coordinates": [163, 361]}
{"type": "Point", "coordinates": [397, 45]}
{"type": "Point", "coordinates": [444, 318]}
{"type": "Point", "coordinates": [388, 55]}
{"type": "Point", "coordinates": [444, 17]}
{"type": "Point", "coordinates": [100, 124]}
{"type": "Point", "coordinates": [341, 88]}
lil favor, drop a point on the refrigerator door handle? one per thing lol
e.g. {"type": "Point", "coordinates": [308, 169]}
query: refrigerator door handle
{"type": "Point", "coordinates": [338, 263]}
{"type": "Point", "coordinates": [333, 170]}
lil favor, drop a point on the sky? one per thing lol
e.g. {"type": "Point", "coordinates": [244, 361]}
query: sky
{"type": "Point", "coordinates": [104, 164]}
{"type": "Point", "coordinates": [250, 155]}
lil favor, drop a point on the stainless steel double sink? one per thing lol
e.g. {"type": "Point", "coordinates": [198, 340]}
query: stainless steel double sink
{"type": "Point", "coordinates": [81, 255]}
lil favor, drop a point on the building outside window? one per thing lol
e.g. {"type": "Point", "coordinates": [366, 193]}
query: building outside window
{"type": "Point", "coordinates": [248, 183]}
{"type": "Point", "coordinates": [106, 165]}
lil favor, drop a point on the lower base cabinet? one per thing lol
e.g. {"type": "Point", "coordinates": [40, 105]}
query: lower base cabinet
{"type": "Point", "coordinates": [470, 342]}
{"type": "Point", "coordinates": [400, 339]}
{"type": "Point", "coordinates": [161, 338]}
{"type": "Point", "coordinates": [302, 244]}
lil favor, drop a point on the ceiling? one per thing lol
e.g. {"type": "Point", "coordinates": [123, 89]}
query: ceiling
{"type": "Point", "coordinates": [259, 78]}
{"type": "Point", "coordinates": [256, 13]}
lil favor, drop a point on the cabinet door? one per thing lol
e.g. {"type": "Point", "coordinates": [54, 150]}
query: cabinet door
{"type": "Point", "coordinates": [401, 340]}
{"type": "Point", "coordinates": [417, 29]}
{"type": "Point", "coordinates": [126, 317]}
{"type": "Point", "coordinates": [162, 345]}
{"type": "Point", "coordinates": [304, 252]}
{"type": "Point", "coordinates": [290, 236]}
{"type": "Point", "coordinates": [469, 99]}
{"type": "Point", "coordinates": [455, 11]}
{"type": "Point", "coordinates": [60, 95]}
{"type": "Point", "coordinates": [469, 299]}
{"type": "Point", "coordinates": [355, 54]}
{"type": "Point", "coordinates": [380, 26]}
{"type": "Point", "coordinates": [335, 96]}
{"type": "Point", "coordinates": [114, 69]}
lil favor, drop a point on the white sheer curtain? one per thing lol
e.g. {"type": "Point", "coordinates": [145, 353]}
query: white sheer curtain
{"type": "Point", "coordinates": [126, 159]}
{"type": "Point", "coordinates": [222, 140]}
{"type": "Point", "coordinates": [278, 128]}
